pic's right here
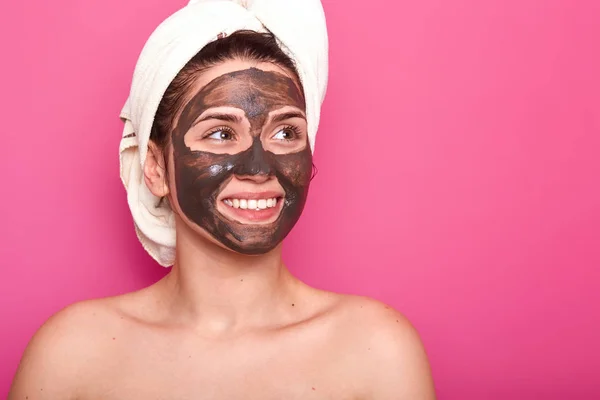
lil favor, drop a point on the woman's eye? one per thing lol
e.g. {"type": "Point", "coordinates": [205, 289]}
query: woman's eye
{"type": "Point", "coordinates": [285, 134]}
{"type": "Point", "coordinates": [221, 135]}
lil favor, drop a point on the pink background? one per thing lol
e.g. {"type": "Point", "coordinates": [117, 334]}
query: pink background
{"type": "Point", "coordinates": [458, 178]}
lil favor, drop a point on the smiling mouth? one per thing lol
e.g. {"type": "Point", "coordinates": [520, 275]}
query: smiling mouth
{"type": "Point", "coordinates": [252, 209]}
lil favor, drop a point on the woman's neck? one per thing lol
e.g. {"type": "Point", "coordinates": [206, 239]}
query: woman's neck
{"type": "Point", "coordinates": [219, 291]}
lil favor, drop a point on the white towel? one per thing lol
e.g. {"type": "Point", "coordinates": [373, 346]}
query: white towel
{"type": "Point", "coordinates": [298, 25]}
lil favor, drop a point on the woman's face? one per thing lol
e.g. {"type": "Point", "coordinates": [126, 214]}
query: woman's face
{"type": "Point", "coordinates": [241, 158]}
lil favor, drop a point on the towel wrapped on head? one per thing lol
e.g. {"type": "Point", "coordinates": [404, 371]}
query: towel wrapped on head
{"type": "Point", "coordinates": [299, 27]}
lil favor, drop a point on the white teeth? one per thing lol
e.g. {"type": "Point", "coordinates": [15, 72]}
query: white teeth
{"type": "Point", "coordinates": [253, 204]}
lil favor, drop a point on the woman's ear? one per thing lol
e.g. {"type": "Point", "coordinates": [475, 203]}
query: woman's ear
{"type": "Point", "coordinates": [155, 174]}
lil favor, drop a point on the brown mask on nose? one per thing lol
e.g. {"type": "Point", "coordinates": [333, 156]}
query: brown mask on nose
{"type": "Point", "coordinates": [200, 175]}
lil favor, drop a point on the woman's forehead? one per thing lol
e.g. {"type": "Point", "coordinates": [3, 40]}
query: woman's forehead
{"type": "Point", "coordinates": [253, 91]}
{"type": "Point", "coordinates": [210, 74]}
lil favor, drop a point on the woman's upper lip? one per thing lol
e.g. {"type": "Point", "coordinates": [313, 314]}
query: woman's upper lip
{"type": "Point", "coordinates": [253, 195]}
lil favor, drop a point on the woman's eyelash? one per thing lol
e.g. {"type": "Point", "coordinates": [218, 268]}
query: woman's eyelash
{"type": "Point", "coordinates": [219, 129]}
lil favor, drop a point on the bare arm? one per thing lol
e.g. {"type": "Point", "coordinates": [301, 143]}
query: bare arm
{"type": "Point", "coordinates": [404, 371]}
{"type": "Point", "coordinates": [51, 366]}
{"type": "Point", "coordinates": [396, 365]}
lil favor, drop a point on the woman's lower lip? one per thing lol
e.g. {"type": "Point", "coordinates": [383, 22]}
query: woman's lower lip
{"type": "Point", "coordinates": [243, 215]}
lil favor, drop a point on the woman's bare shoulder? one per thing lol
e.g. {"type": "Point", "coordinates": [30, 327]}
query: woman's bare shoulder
{"type": "Point", "coordinates": [77, 325]}
{"type": "Point", "coordinates": [59, 355]}
{"type": "Point", "coordinates": [387, 349]}
{"type": "Point", "coordinates": [84, 318]}
{"type": "Point", "coordinates": [366, 314]}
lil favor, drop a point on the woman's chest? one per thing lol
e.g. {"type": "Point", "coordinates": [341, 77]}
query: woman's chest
{"type": "Point", "coordinates": [224, 382]}
{"type": "Point", "coordinates": [243, 369]}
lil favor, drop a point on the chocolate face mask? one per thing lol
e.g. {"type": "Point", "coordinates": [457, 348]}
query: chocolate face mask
{"type": "Point", "coordinates": [200, 175]}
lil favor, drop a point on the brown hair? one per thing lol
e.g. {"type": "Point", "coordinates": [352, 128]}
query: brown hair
{"type": "Point", "coordinates": [245, 45]}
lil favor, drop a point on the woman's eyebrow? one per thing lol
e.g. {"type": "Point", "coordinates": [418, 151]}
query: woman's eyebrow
{"type": "Point", "coordinates": [220, 116]}
{"type": "Point", "coordinates": [287, 115]}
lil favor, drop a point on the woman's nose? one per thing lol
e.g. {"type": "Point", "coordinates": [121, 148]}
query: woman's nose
{"type": "Point", "coordinates": [254, 164]}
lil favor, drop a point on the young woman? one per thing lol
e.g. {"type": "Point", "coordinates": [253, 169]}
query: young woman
{"type": "Point", "coordinates": [229, 154]}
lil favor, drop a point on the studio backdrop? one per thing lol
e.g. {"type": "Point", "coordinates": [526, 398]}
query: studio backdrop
{"type": "Point", "coordinates": [458, 170]}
